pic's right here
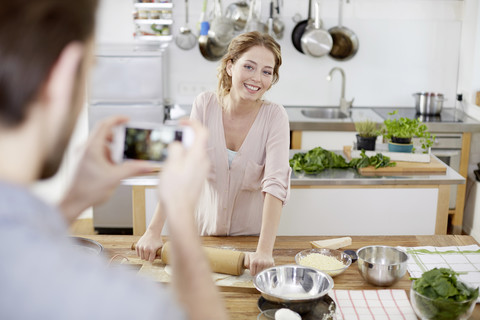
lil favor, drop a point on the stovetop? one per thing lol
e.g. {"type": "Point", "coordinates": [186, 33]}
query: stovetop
{"type": "Point", "coordinates": [447, 115]}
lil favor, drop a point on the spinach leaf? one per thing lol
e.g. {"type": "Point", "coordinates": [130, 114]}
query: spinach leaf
{"type": "Point", "coordinates": [318, 159]}
{"type": "Point", "coordinates": [446, 293]}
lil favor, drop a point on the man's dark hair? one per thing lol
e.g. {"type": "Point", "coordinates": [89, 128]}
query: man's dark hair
{"type": "Point", "coordinates": [33, 33]}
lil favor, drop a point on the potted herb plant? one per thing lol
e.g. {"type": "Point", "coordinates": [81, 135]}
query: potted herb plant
{"type": "Point", "coordinates": [400, 131]}
{"type": "Point", "coordinates": [367, 134]}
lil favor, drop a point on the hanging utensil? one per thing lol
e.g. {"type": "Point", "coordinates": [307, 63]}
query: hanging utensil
{"type": "Point", "coordinates": [278, 25]}
{"type": "Point", "coordinates": [299, 29]}
{"type": "Point", "coordinates": [253, 23]}
{"type": "Point", "coordinates": [270, 20]}
{"type": "Point", "coordinates": [208, 48]}
{"type": "Point", "coordinates": [345, 41]}
{"type": "Point", "coordinates": [221, 29]}
{"type": "Point", "coordinates": [316, 42]}
{"type": "Point", "coordinates": [186, 40]}
{"type": "Point", "coordinates": [238, 13]}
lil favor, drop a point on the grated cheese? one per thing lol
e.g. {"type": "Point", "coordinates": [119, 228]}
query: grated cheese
{"type": "Point", "coordinates": [322, 262]}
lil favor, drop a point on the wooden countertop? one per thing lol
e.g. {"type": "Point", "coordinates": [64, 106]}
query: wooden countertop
{"type": "Point", "coordinates": [243, 305]}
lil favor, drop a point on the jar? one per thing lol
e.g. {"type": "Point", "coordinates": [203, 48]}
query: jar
{"type": "Point", "coordinates": [154, 14]}
{"type": "Point", "coordinates": [143, 14]}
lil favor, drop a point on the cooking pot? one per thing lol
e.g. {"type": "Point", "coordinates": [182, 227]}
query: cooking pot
{"type": "Point", "coordinates": [345, 41]}
{"type": "Point", "coordinates": [428, 103]}
{"type": "Point", "coordinates": [299, 29]}
{"type": "Point", "coordinates": [316, 42]}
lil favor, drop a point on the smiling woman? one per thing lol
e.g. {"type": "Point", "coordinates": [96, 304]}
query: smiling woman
{"type": "Point", "coordinates": [249, 150]}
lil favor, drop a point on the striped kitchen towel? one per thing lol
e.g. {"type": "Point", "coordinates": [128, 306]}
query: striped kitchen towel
{"type": "Point", "coordinates": [462, 259]}
{"type": "Point", "coordinates": [372, 305]}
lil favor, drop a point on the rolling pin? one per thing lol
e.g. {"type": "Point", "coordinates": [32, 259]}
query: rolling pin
{"type": "Point", "coordinates": [221, 260]}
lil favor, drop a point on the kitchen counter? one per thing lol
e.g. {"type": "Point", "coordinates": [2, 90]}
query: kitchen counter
{"type": "Point", "coordinates": [313, 196]}
{"type": "Point", "coordinates": [336, 177]}
{"type": "Point", "coordinates": [299, 122]}
{"type": "Point", "coordinates": [351, 177]}
{"type": "Point", "coordinates": [243, 305]}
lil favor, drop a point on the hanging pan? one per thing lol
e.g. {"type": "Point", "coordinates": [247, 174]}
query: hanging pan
{"type": "Point", "coordinates": [345, 41]}
{"type": "Point", "coordinates": [299, 29]}
{"type": "Point", "coordinates": [316, 42]}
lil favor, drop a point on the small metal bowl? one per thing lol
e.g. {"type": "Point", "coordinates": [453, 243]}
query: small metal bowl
{"type": "Point", "coordinates": [88, 246]}
{"type": "Point", "coordinates": [339, 255]}
{"type": "Point", "coordinates": [292, 285]}
{"type": "Point", "coordinates": [381, 265]}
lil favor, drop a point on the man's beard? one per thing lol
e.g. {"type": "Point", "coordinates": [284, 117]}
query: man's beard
{"type": "Point", "coordinates": [54, 160]}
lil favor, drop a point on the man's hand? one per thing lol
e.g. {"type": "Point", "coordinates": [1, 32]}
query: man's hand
{"type": "Point", "coordinates": [97, 175]}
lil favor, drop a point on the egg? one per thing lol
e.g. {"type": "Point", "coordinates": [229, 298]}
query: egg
{"type": "Point", "coordinates": [286, 314]}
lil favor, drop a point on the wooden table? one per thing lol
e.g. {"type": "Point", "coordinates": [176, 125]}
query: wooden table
{"type": "Point", "coordinates": [243, 305]}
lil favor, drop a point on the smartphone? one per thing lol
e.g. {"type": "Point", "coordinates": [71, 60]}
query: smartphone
{"type": "Point", "coordinates": [147, 141]}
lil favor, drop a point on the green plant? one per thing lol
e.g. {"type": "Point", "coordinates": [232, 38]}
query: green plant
{"type": "Point", "coordinates": [444, 296]}
{"type": "Point", "coordinates": [367, 128]}
{"type": "Point", "coordinates": [407, 128]}
{"type": "Point", "coordinates": [318, 159]}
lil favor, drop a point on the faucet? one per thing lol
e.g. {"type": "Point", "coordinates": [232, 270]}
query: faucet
{"type": "Point", "coordinates": [344, 104]}
{"type": "Point", "coordinates": [166, 113]}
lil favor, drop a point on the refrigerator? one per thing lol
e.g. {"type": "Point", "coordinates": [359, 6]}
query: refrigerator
{"type": "Point", "coordinates": [131, 82]}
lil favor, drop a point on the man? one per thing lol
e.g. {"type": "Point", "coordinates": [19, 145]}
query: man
{"type": "Point", "coordinates": [45, 52]}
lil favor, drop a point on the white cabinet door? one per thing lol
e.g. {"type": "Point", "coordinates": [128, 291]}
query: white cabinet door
{"type": "Point", "coordinates": [372, 211]}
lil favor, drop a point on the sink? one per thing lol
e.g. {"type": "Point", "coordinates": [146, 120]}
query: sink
{"type": "Point", "coordinates": [324, 113]}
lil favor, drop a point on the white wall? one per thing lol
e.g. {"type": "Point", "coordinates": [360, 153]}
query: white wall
{"type": "Point", "coordinates": [405, 46]}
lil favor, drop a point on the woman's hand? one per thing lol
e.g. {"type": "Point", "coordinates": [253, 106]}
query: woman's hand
{"type": "Point", "coordinates": [258, 261]}
{"type": "Point", "coordinates": [148, 245]}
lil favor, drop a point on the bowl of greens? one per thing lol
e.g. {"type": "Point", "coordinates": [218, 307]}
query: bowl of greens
{"type": "Point", "coordinates": [439, 294]}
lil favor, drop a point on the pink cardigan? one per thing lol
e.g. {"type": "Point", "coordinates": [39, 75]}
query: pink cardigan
{"type": "Point", "coordinates": [232, 199]}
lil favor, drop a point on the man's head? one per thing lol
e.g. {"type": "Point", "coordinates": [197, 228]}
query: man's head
{"type": "Point", "coordinates": [37, 39]}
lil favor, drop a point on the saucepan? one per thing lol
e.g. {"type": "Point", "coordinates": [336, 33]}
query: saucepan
{"type": "Point", "coordinates": [345, 41]}
{"type": "Point", "coordinates": [316, 42]}
{"type": "Point", "coordinates": [299, 29]}
{"type": "Point", "coordinates": [428, 103]}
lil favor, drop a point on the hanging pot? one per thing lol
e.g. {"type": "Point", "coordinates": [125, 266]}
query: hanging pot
{"type": "Point", "coordinates": [345, 41]}
{"type": "Point", "coordinates": [209, 49]}
{"type": "Point", "coordinates": [238, 13]}
{"type": "Point", "coordinates": [221, 29]}
{"type": "Point", "coordinates": [299, 29]}
{"type": "Point", "coordinates": [316, 42]}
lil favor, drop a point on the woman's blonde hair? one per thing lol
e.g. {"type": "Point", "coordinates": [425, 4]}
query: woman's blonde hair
{"type": "Point", "coordinates": [237, 47]}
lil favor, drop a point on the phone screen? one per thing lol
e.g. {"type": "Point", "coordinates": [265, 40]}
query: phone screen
{"type": "Point", "coordinates": [149, 144]}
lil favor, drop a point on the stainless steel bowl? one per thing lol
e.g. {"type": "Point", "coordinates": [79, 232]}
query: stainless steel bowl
{"type": "Point", "coordinates": [381, 265]}
{"type": "Point", "coordinates": [290, 284]}
{"type": "Point", "coordinates": [87, 245]}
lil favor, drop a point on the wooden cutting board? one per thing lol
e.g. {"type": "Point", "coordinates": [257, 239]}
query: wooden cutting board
{"type": "Point", "coordinates": [435, 166]}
